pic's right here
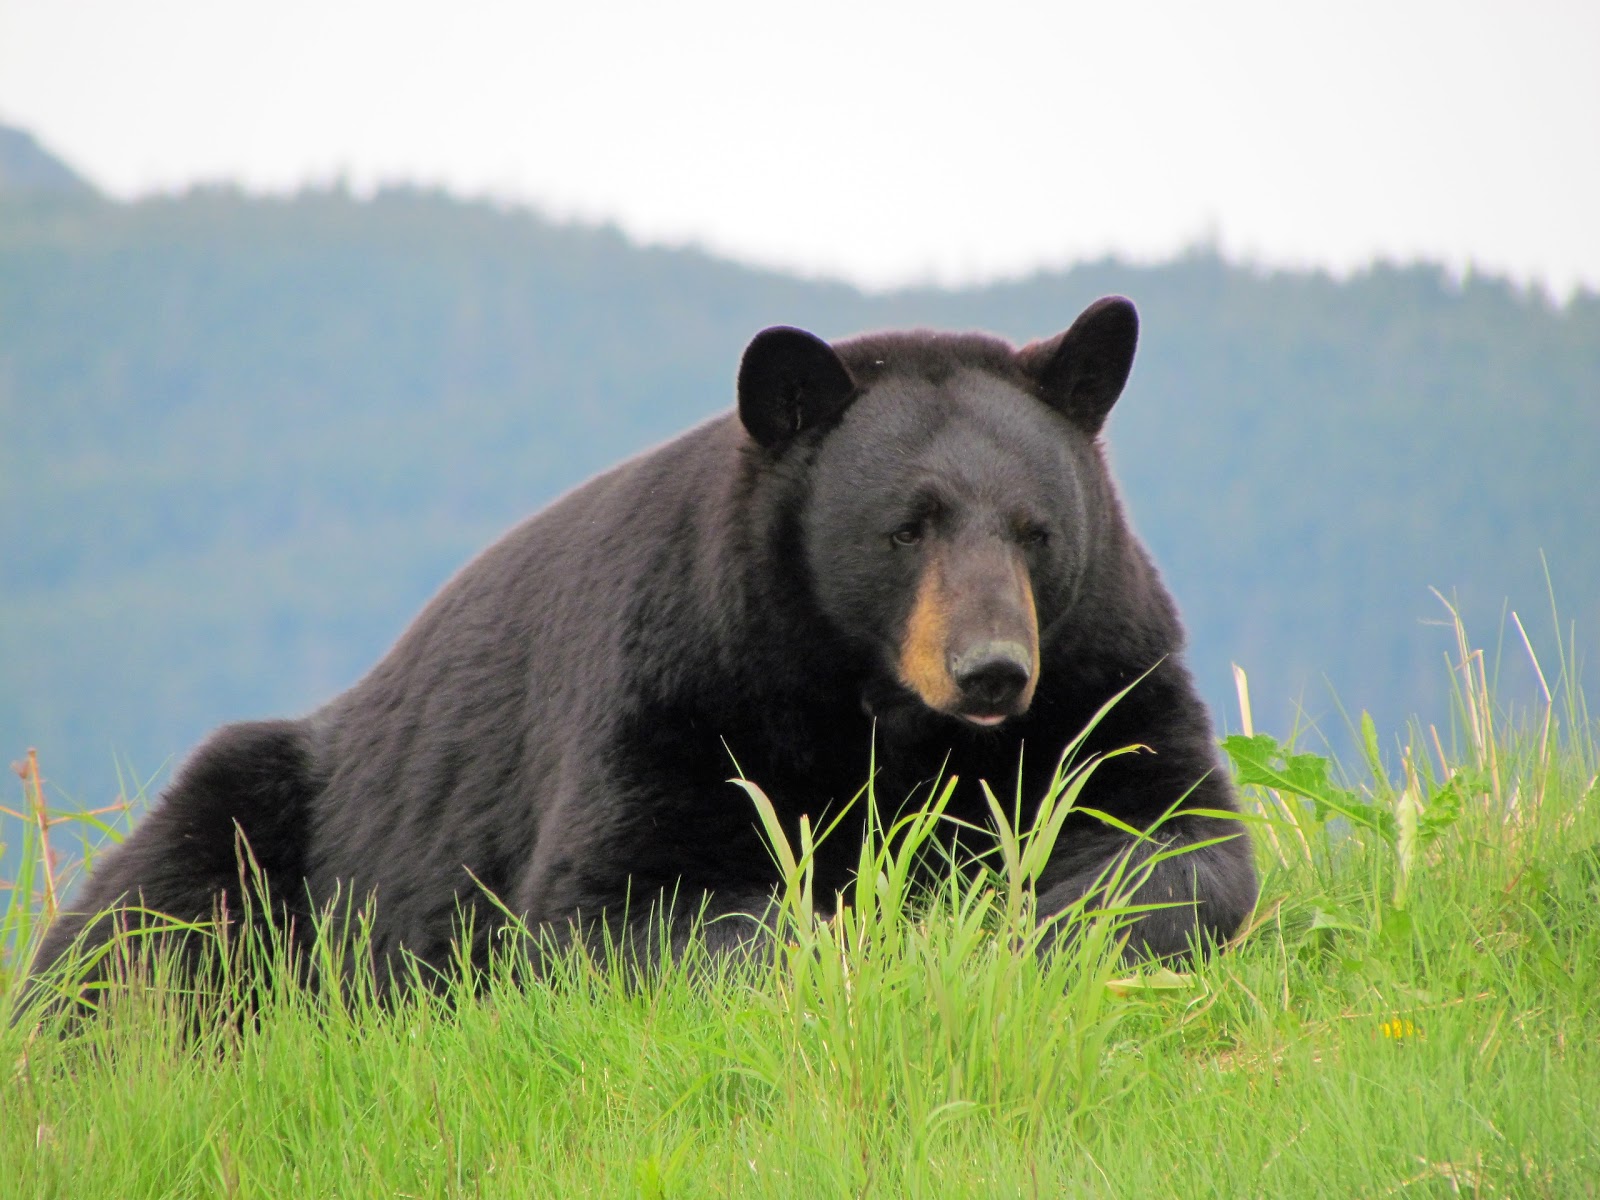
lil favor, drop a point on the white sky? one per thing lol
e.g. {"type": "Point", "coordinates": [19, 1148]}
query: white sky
{"type": "Point", "coordinates": [881, 142]}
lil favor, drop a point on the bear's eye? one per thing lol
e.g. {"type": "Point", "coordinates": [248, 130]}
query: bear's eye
{"type": "Point", "coordinates": [1034, 536]}
{"type": "Point", "coordinates": [908, 534]}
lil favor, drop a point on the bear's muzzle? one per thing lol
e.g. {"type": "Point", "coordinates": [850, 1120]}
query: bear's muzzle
{"type": "Point", "coordinates": [971, 644]}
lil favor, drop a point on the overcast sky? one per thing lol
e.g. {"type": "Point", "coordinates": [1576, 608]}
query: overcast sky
{"type": "Point", "coordinates": [881, 142]}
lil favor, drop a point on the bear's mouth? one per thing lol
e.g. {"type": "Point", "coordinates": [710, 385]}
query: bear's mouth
{"type": "Point", "coordinates": [885, 698]}
{"type": "Point", "coordinates": [985, 720]}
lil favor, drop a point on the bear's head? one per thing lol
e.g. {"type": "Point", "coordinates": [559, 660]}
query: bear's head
{"type": "Point", "coordinates": [955, 495]}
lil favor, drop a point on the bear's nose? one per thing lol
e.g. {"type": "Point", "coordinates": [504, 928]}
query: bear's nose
{"type": "Point", "coordinates": [992, 675]}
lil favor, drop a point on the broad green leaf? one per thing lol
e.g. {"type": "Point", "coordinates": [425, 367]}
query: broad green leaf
{"type": "Point", "coordinates": [1160, 981]}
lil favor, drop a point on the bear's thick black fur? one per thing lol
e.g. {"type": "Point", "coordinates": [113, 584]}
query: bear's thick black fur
{"type": "Point", "coordinates": [907, 542]}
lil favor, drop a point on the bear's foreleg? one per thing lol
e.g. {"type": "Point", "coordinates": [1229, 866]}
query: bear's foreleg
{"type": "Point", "coordinates": [645, 935]}
{"type": "Point", "coordinates": [1193, 875]}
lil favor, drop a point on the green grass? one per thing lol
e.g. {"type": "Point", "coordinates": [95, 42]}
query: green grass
{"type": "Point", "coordinates": [1415, 1011]}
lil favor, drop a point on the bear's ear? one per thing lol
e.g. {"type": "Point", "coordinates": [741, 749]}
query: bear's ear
{"type": "Point", "coordinates": [1082, 372]}
{"type": "Point", "coordinates": [789, 381]}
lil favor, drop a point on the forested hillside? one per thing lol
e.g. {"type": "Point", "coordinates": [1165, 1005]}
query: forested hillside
{"type": "Point", "coordinates": [242, 439]}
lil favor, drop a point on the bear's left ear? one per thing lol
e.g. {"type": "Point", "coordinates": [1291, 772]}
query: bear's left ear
{"type": "Point", "coordinates": [1082, 372]}
{"type": "Point", "coordinates": [789, 381]}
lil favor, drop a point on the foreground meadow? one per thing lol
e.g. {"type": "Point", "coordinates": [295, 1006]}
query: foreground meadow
{"type": "Point", "coordinates": [1413, 1011]}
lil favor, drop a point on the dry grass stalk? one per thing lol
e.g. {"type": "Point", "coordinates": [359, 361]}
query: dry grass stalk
{"type": "Point", "coordinates": [39, 817]}
{"type": "Point", "coordinates": [1280, 807]}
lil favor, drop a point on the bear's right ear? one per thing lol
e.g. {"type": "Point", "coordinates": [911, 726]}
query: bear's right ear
{"type": "Point", "coordinates": [789, 381]}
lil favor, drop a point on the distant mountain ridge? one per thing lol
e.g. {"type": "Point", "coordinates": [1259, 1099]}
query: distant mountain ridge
{"type": "Point", "coordinates": [245, 438]}
{"type": "Point", "coordinates": [26, 167]}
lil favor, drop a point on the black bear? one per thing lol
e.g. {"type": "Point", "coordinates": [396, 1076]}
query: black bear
{"type": "Point", "coordinates": [905, 545]}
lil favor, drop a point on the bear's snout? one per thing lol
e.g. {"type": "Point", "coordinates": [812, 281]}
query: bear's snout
{"type": "Point", "coordinates": [992, 677]}
{"type": "Point", "coordinates": [970, 648]}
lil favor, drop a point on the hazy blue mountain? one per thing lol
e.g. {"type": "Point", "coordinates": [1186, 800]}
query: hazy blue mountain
{"type": "Point", "coordinates": [243, 439]}
{"type": "Point", "coordinates": [27, 167]}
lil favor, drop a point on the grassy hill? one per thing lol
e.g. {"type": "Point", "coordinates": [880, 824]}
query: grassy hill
{"type": "Point", "coordinates": [1410, 1012]}
{"type": "Point", "coordinates": [246, 437]}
